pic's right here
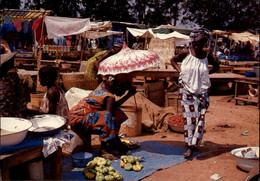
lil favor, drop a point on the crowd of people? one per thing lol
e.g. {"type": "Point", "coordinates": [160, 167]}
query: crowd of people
{"type": "Point", "coordinates": [100, 111]}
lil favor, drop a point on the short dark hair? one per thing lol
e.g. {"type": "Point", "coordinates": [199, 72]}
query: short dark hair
{"type": "Point", "coordinates": [48, 72]}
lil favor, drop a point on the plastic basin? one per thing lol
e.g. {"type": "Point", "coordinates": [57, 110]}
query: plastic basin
{"type": "Point", "coordinates": [245, 163]}
{"type": "Point", "coordinates": [13, 130]}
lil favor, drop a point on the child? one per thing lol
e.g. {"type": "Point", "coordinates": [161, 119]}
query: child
{"type": "Point", "coordinates": [54, 101]}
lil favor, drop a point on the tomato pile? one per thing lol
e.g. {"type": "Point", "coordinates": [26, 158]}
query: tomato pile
{"type": "Point", "coordinates": [176, 120]}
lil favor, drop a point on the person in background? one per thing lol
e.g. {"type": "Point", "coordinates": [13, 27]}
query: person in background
{"type": "Point", "coordinates": [54, 101]}
{"type": "Point", "coordinates": [12, 99]}
{"type": "Point", "coordinates": [8, 33]}
{"type": "Point", "coordinates": [59, 41]}
{"type": "Point", "coordinates": [100, 112]}
{"type": "Point", "coordinates": [138, 45]}
{"type": "Point", "coordinates": [93, 63]}
{"type": "Point", "coordinates": [194, 83]}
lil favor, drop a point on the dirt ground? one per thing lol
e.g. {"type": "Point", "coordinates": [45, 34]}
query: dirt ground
{"type": "Point", "coordinates": [225, 122]}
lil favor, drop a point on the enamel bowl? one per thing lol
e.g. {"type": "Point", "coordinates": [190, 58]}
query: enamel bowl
{"type": "Point", "coordinates": [13, 130]}
{"type": "Point", "coordinates": [46, 125]}
{"type": "Point", "coordinates": [245, 163]}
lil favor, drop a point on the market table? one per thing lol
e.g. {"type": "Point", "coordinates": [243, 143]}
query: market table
{"type": "Point", "coordinates": [247, 80]}
{"type": "Point", "coordinates": [157, 73]}
{"type": "Point", "coordinates": [172, 73]}
{"type": "Point", "coordinates": [222, 68]}
{"type": "Point", "coordinates": [242, 70]}
{"type": "Point", "coordinates": [14, 158]}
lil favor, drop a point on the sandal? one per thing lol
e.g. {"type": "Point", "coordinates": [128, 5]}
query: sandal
{"type": "Point", "coordinates": [188, 153]}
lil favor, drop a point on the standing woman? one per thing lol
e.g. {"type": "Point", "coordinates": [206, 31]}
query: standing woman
{"type": "Point", "coordinates": [194, 83]}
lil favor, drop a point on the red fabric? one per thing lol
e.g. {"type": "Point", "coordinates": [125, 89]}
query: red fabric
{"type": "Point", "coordinates": [37, 25]}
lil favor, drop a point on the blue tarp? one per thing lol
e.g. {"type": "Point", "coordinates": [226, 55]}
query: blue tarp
{"type": "Point", "coordinates": [26, 143]}
{"type": "Point", "coordinates": [156, 155]}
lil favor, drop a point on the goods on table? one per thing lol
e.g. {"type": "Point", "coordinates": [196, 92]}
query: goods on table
{"type": "Point", "coordinates": [130, 162]}
{"type": "Point", "coordinates": [176, 123]}
{"type": "Point", "coordinates": [131, 144]}
{"type": "Point", "coordinates": [100, 169]}
{"type": "Point", "coordinates": [176, 120]}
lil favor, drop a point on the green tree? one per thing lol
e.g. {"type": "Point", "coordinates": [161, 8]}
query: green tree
{"type": "Point", "coordinates": [59, 7]}
{"type": "Point", "coordinates": [156, 12]}
{"type": "Point", "coordinates": [10, 4]}
{"type": "Point", "coordinates": [222, 14]}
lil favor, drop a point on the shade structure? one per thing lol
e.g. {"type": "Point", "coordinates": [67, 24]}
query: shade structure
{"type": "Point", "coordinates": [128, 60]}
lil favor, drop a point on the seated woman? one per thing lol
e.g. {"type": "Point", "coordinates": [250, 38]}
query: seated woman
{"type": "Point", "coordinates": [100, 112]}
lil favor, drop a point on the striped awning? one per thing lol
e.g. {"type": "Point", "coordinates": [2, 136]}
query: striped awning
{"type": "Point", "coordinates": [24, 14]}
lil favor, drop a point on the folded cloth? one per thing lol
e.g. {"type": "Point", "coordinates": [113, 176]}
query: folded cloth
{"type": "Point", "coordinates": [51, 144]}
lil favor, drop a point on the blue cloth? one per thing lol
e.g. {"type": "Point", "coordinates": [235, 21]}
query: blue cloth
{"type": "Point", "coordinates": [61, 41]}
{"type": "Point", "coordinates": [6, 27]}
{"type": "Point", "coordinates": [156, 156]}
{"type": "Point", "coordinates": [118, 42]}
{"type": "Point", "coordinates": [26, 143]}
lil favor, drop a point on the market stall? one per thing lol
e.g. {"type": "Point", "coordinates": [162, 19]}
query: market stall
{"type": "Point", "coordinates": [25, 42]}
{"type": "Point", "coordinates": [163, 44]}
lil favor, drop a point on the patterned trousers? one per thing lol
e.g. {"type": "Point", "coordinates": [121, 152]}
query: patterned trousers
{"type": "Point", "coordinates": [194, 107]}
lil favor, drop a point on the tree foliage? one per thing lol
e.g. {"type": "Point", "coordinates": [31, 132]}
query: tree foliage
{"type": "Point", "coordinates": [222, 14]}
{"type": "Point", "coordinates": [212, 14]}
{"type": "Point", "coordinates": [10, 4]}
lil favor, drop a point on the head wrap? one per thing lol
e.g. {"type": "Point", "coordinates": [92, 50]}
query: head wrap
{"type": "Point", "coordinates": [118, 42]}
{"type": "Point", "coordinates": [6, 57]}
{"type": "Point", "coordinates": [200, 34]}
{"type": "Point", "coordinates": [7, 27]}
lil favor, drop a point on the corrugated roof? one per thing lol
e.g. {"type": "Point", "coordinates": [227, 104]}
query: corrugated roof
{"type": "Point", "coordinates": [24, 14]}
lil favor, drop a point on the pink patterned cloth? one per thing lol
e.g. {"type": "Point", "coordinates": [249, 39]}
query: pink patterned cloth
{"type": "Point", "coordinates": [62, 107]}
{"type": "Point", "coordinates": [18, 24]}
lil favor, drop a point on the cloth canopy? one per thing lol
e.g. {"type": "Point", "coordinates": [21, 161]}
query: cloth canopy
{"type": "Point", "coordinates": [99, 34]}
{"type": "Point", "coordinates": [243, 37]}
{"type": "Point", "coordinates": [62, 26]}
{"type": "Point", "coordinates": [179, 39]}
{"type": "Point", "coordinates": [174, 28]}
{"type": "Point", "coordinates": [101, 26]}
{"type": "Point", "coordinates": [221, 33]}
{"type": "Point", "coordinates": [144, 33]}
{"type": "Point", "coordinates": [254, 39]}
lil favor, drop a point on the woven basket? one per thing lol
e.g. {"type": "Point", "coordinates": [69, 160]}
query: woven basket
{"type": "Point", "coordinates": [77, 79]}
{"type": "Point", "coordinates": [175, 128]}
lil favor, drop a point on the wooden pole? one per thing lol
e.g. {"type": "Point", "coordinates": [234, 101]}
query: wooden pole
{"type": "Point", "coordinates": [127, 37]}
{"type": "Point", "coordinates": [40, 42]}
{"type": "Point", "coordinates": [83, 47]}
{"type": "Point", "coordinates": [145, 44]}
{"type": "Point", "coordinates": [35, 47]}
{"type": "Point", "coordinates": [215, 48]}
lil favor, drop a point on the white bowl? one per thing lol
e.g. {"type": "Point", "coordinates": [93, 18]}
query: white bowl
{"type": "Point", "coordinates": [66, 66]}
{"type": "Point", "coordinates": [245, 163]}
{"type": "Point", "coordinates": [46, 124]}
{"type": "Point", "coordinates": [13, 130]}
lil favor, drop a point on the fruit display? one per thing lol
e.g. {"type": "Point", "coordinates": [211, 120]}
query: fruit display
{"type": "Point", "coordinates": [130, 162]}
{"type": "Point", "coordinates": [176, 120]}
{"type": "Point", "coordinates": [100, 169]}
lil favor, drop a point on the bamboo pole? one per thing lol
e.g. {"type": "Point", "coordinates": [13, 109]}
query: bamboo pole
{"type": "Point", "coordinates": [145, 44]}
{"type": "Point", "coordinates": [35, 47]}
{"type": "Point", "coordinates": [40, 42]}
{"type": "Point", "coordinates": [215, 47]}
{"type": "Point", "coordinates": [83, 47]}
{"type": "Point", "coordinates": [127, 37]}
